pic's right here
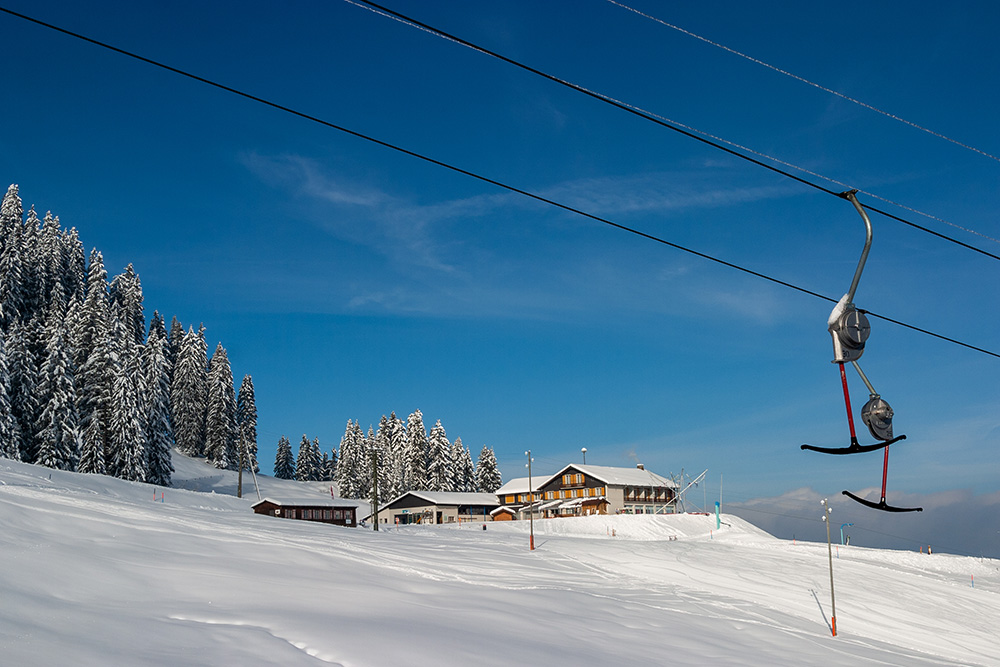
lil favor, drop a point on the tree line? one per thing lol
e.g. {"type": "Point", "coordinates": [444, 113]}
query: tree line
{"type": "Point", "coordinates": [396, 458]}
{"type": "Point", "coordinates": [87, 386]}
{"type": "Point", "coordinates": [84, 385]}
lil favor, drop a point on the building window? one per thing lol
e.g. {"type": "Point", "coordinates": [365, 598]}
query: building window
{"type": "Point", "coordinates": [509, 499]}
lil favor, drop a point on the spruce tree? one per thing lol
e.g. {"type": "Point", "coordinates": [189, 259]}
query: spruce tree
{"type": "Point", "coordinates": [416, 455]}
{"type": "Point", "coordinates": [246, 424]}
{"type": "Point", "coordinates": [23, 371]}
{"type": "Point", "coordinates": [439, 470]}
{"type": "Point", "coordinates": [189, 394]}
{"type": "Point", "coordinates": [463, 478]}
{"type": "Point", "coordinates": [383, 458]}
{"type": "Point", "coordinates": [159, 432]}
{"type": "Point", "coordinates": [349, 465]}
{"type": "Point", "coordinates": [320, 462]}
{"type": "Point", "coordinates": [125, 293]}
{"type": "Point", "coordinates": [488, 478]}
{"type": "Point", "coordinates": [127, 442]}
{"type": "Point", "coordinates": [12, 299]}
{"type": "Point", "coordinates": [305, 465]}
{"type": "Point", "coordinates": [58, 427]}
{"type": "Point", "coordinates": [396, 442]}
{"type": "Point", "coordinates": [9, 437]}
{"type": "Point", "coordinates": [220, 420]}
{"type": "Point", "coordinates": [284, 460]}
{"type": "Point", "coordinates": [92, 458]}
{"type": "Point", "coordinates": [331, 465]}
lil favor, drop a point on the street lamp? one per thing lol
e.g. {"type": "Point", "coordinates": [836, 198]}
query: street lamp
{"type": "Point", "coordinates": [584, 450]}
{"type": "Point", "coordinates": [842, 532]}
{"type": "Point", "coordinates": [531, 504]}
{"type": "Point", "coordinates": [829, 553]}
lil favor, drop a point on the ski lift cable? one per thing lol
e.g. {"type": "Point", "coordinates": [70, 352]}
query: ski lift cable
{"type": "Point", "coordinates": [494, 182]}
{"type": "Point", "coordinates": [831, 91]}
{"type": "Point", "coordinates": [684, 129]}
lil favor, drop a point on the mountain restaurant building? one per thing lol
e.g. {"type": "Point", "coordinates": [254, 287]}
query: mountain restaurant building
{"type": "Point", "coordinates": [579, 490]}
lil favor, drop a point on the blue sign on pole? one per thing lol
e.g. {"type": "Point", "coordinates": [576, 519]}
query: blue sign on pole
{"type": "Point", "coordinates": [718, 521]}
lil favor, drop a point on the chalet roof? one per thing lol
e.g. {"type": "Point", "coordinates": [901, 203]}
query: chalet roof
{"type": "Point", "coordinates": [617, 476]}
{"type": "Point", "coordinates": [503, 508]}
{"type": "Point", "coordinates": [307, 501]}
{"type": "Point", "coordinates": [454, 498]}
{"type": "Point", "coordinates": [520, 485]}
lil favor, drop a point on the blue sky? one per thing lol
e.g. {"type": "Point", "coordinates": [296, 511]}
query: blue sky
{"type": "Point", "coordinates": [351, 280]}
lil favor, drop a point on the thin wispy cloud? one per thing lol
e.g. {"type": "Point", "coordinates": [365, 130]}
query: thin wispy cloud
{"type": "Point", "coordinates": [499, 252]}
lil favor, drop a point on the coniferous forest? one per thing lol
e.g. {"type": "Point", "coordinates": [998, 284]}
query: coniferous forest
{"type": "Point", "coordinates": [394, 459]}
{"type": "Point", "coordinates": [85, 386]}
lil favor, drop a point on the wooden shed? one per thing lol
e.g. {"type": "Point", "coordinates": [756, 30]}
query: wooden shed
{"type": "Point", "coordinates": [309, 509]}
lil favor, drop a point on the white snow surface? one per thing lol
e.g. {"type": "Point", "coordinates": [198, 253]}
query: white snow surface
{"type": "Point", "coordinates": [835, 314]}
{"type": "Point", "coordinates": [95, 572]}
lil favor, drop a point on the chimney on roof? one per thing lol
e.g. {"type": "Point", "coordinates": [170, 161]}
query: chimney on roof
{"type": "Point", "coordinates": [640, 466]}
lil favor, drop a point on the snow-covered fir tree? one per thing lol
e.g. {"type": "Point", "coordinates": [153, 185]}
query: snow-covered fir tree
{"type": "Point", "coordinates": [351, 468]}
{"type": "Point", "coordinates": [284, 460]}
{"type": "Point", "coordinates": [440, 476]}
{"type": "Point", "coordinates": [159, 432]}
{"type": "Point", "coordinates": [396, 443]}
{"type": "Point", "coordinates": [125, 293]}
{"type": "Point", "coordinates": [488, 478]}
{"type": "Point", "coordinates": [382, 454]}
{"type": "Point", "coordinates": [463, 471]}
{"type": "Point", "coordinates": [189, 394]}
{"type": "Point", "coordinates": [331, 465]}
{"type": "Point", "coordinates": [220, 419]}
{"type": "Point", "coordinates": [416, 455]}
{"type": "Point", "coordinates": [23, 370]}
{"type": "Point", "coordinates": [92, 457]}
{"type": "Point", "coordinates": [11, 278]}
{"type": "Point", "coordinates": [127, 451]}
{"type": "Point", "coordinates": [175, 338]}
{"type": "Point", "coordinates": [318, 456]}
{"type": "Point", "coordinates": [246, 424]}
{"type": "Point", "coordinates": [306, 465]}
{"type": "Point", "coordinates": [8, 425]}
{"type": "Point", "coordinates": [57, 430]}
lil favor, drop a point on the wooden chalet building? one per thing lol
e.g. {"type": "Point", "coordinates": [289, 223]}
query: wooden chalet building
{"type": "Point", "coordinates": [332, 511]}
{"type": "Point", "coordinates": [579, 490]}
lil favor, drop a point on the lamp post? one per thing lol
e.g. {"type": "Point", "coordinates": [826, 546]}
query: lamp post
{"type": "Point", "coordinates": [584, 450]}
{"type": "Point", "coordinates": [842, 532]}
{"type": "Point", "coordinates": [829, 553]}
{"type": "Point", "coordinates": [531, 505]}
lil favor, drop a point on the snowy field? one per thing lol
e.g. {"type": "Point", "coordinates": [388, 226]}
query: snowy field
{"type": "Point", "coordinates": [94, 572]}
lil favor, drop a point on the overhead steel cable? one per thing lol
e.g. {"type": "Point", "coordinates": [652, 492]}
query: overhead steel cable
{"type": "Point", "coordinates": [681, 128]}
{"type": "Point", "coordinates": [476, 176]}
{"type": "Point", "coordinates": [831, 91]}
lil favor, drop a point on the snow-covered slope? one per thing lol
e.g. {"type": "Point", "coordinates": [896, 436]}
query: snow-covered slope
{"type": "Point", "coordinates": [93, 571]}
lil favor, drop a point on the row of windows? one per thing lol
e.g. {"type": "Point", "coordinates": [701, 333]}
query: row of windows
{"type": "Point", "coordinates": [647, 494]}
{"type": "Point", "coordinates": [316, 515]}
{"type": "Point", "coordinates": [592, 492]}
